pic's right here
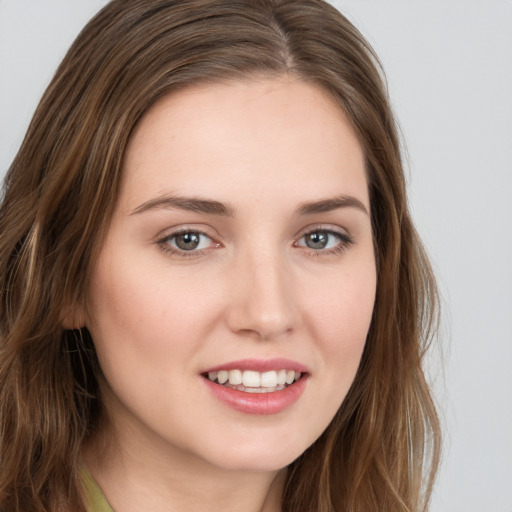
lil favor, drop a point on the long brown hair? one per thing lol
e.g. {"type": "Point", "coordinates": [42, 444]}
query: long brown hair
{"type": "Point", "coordinates": [381, 450]}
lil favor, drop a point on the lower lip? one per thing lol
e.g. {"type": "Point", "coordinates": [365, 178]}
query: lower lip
{"type": "Point", "coordinates": [258, 403]}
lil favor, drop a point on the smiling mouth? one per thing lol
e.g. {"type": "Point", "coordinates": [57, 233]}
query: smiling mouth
{"type": "Point", "coordinates": [251, 381]}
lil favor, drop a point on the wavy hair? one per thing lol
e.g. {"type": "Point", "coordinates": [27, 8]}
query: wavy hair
{"type": "Point", "coordinates": [381, 450]}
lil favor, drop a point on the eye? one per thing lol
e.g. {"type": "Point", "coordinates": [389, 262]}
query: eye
{"type": "Point", "coordinates": [325, 240]}
{"type": "Point", "coordinates": [319, 240]}
{"type": "Point", "coordinates": [186, 241]}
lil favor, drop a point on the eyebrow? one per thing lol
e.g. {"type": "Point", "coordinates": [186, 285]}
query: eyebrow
{"type": "Point", "coordinates": [330, 204]}
{"type": "Point", "coordinates": [211, 207]}
{"type": "Point", "coordinates": [191, 204]}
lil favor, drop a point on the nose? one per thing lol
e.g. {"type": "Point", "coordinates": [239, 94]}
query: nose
{"type": "Point", "coordinates": [262, 302]}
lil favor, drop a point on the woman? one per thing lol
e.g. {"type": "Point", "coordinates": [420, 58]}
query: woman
{"type": "Point", "coordinates": [212, 293]}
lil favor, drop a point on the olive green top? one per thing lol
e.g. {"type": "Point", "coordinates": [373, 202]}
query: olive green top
{"type": "Point", "coordinates": [96, 499]}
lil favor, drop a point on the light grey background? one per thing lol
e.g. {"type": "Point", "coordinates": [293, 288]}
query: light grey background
{"type": "Point", "coordinates": [449, 68]}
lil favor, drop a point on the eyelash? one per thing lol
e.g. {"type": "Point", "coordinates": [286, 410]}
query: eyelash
{"type": "Point", "coordinates": [163, 243]}
{"type": "Point", "coordinates": [344, 242]}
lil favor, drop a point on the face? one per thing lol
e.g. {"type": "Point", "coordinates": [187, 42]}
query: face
{"type": "Point", "coordinates": [232, 297]}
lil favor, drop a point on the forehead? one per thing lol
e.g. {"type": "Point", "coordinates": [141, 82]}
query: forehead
{"type": "Point", "coordinates": [248, 133]}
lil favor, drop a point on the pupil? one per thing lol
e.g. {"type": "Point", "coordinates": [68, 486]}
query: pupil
{"type": "Point", "coordinates": [317, 240]}
{"type": "Point", "coordinates": [187, 241]}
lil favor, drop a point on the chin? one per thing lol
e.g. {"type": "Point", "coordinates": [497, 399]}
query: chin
{"type": "Point", "coordinates": [258, 454]}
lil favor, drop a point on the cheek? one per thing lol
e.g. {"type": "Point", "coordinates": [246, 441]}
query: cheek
{"type": "Point", "coordinates": [340, 311]}
{"type": "Point", "coordinates": [147, 331]}
{"type": "Point", "coordinates": [339, 316]}
{"type": "Point", "coordinates": [137, 309]}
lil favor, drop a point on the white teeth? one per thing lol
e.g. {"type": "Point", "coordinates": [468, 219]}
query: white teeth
{"type": "Point", "coordinates": [269, 379]}
{"type": "Point", "coordinates": [250, 379]}
{"type": "Point", "coordinates": [235, 377]}
{"type": "Point", "coordinates": [255, 382]}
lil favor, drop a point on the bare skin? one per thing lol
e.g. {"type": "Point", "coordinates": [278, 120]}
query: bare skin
{"type": "Point", "coordinates": [241, 233]}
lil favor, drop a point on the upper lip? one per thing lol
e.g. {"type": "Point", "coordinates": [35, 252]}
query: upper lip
{"type": "Point", "coordinates": [259, 365]}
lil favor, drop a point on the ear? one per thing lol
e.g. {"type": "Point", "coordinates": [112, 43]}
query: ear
{"type": "Point", "coordinates": [72, 317]}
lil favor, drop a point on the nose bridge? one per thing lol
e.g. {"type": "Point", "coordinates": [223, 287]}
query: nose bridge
{"type": "Point", "coordinates": [263, 296]}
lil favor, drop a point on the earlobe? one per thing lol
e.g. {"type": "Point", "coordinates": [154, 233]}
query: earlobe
{"type": "Point", "coordinates": [72, 318]}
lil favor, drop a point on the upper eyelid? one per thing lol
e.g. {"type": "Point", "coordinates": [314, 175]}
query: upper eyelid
{"type": "Point", "coordinates": [175, 234]}
{"type": "Point", "coordinates": [344, 237]}
{"type": "Point", "coordinates": [184, 232]}
{"type": "Point", "coordinates": [175, 231]}
{"type": "Point", "coordinates": [330, 228]}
